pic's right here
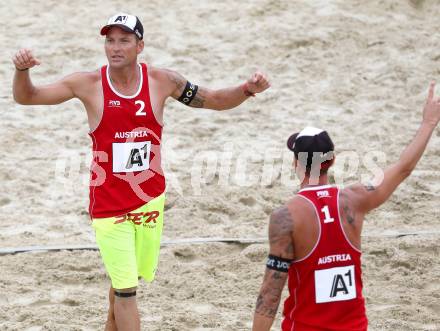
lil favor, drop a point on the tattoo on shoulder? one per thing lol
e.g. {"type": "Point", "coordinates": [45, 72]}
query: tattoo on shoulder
{"type": "Point", "coordinates": [348, 213]}
{"type": "Point", "coordinates": [177, 79]}
{"type": "Point", "coordinates": [280, 232]}
{"type": "Point", "coordinates": [369, 187]}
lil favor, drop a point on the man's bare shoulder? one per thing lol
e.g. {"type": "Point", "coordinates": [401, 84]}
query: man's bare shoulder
{"type": "Point", "coordinates": [357, 196]}
{"type": "Point", "coordinates": [357, 190]}
{"type": "Point", "coordinates": [84, 77]}
{"type": "Point", "coordinates": [298, 201]}
{"type": "Point", "coordinates": [299, 205]}
{"type": "Point", "coordinates": [81, 79]}
{"type": "Point", "coordinates": [81, 83]}
{"type": "Point", "coordinates": [92, 75]}
{"type": "Point", "coordinates": [156, 71]}
{"type": "Point", "coordinates": [291, 210]}
{"type": "Point", "coordinates": [280, 232]}
{"type": "Point", "coordinates": [280, 214]}
{"type": "Point", "coordinates": [168, 80]}
{"type": "Point", "coordinates": [161, 74]}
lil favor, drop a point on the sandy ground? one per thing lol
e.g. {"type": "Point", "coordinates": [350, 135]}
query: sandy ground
{"type": "Point", "coordinates": [358, 69]}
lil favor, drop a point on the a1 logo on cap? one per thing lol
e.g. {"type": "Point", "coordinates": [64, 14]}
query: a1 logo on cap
{"type": "Point", "coordinates": [120, 19]}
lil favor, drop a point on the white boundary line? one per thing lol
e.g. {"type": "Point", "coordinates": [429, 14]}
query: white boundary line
{"type": "Point", "coordinates": [24, 249]}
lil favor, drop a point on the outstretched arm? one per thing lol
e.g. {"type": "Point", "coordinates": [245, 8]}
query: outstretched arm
{"type": "Point", "coordinates": [371, 196]}
{"type": "Point", "coordinates": [26, 93]}
{"type": "Point", "coordinates": [221, 99]}
{"type": "Point", "coordinates": [281, 252]}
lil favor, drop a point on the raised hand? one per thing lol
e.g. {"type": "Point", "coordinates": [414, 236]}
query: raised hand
{"type": "Point", "coordinates": [431, 112]}
{"type": "Point", "coordinates": [24, 59]}
{"type": "Point", "coordinates": [257, 83]}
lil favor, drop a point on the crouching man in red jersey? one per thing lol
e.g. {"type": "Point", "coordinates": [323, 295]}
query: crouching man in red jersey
{"type": "Point", "coordinates": [124, 101]}
{"type": "Point", "coordinates": [315, 239]}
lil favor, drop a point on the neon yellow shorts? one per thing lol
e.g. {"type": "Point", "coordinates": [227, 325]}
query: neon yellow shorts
{"type": "Point", "coordinates": [130, 244]}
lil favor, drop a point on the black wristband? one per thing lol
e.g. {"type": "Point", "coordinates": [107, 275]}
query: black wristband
{"type": "Point", "coordinates": [21, 69]}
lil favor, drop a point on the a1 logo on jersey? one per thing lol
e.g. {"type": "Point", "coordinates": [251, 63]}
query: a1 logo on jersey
{"type": "Point", "coordinates": [131, 156]}
{"type": "Point", "coordinates": [335, 284]}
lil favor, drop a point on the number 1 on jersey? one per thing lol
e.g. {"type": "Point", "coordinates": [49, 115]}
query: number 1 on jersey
{"type": "Point", "coordinates": [326, 212]}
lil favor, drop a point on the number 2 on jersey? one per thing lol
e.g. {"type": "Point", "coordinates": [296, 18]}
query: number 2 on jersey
{"type": "Point", "coordinates": [326, 212]}
{"type": "Point", "coordinates": [140, 111]}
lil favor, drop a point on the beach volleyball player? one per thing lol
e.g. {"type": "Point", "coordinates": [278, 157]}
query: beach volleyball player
{"type": "Point", "coordinates": [124, 101]}
{"type": "Point", "coordinates": [315, 238]}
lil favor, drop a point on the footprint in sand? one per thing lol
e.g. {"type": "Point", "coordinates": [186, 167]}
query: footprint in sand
{"type": "Point", "coordinates": [70, 302]}
{"type": "Point", "coordinates": [4, 201]}
{"type": "Point", "coordinates": [248, 201]}
{"type": "Point", "coordinates": [184, 254]}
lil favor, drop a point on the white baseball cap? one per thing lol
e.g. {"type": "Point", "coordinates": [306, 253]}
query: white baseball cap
{"type": "Point", "coordinates": [129, 23]}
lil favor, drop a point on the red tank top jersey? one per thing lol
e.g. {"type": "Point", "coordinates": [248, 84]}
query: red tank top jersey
{"type": "Point", "coordinates": [126, 169]}
{"type": "Point", "coordinates": [326, 286]}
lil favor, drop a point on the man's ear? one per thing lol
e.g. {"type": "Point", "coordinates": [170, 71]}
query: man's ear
{"type": "Point", "coordinates": [333, 160]}
{"type": "Point", "coordinates": [140, 46]}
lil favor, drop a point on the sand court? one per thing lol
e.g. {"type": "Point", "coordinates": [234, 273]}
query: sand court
{"type": "Point", "coordinates": [360, 70]}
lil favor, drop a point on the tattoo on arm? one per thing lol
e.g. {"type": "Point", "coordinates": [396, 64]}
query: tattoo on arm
{"type": "Point", "coordinates": [281, 244]}
{"type": "Point", "coordinates": [369, 187]}
{"type": "Point", "coordinates": [199, 98]}
{"type": "Point", "coordinates": [270, 294]}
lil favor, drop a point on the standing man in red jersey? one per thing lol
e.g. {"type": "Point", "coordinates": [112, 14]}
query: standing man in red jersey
{"type": "Point", "coordinates": [124, 101]}
{"type": "Point", "coordinates": [315, 238]}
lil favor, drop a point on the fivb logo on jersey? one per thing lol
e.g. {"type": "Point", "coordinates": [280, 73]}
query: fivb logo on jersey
{"type": "Point", "coordinates": [114, 104]}
{"type": "Point", "coordinates": [323, 194]}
